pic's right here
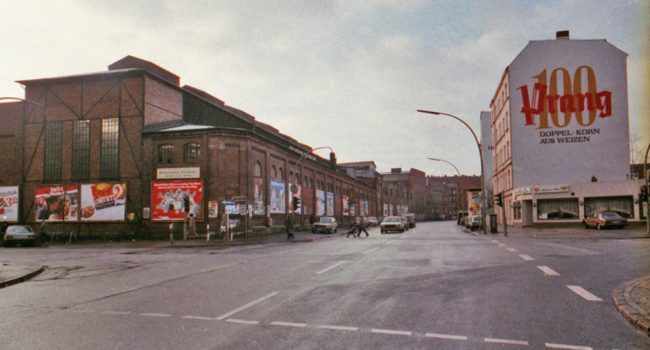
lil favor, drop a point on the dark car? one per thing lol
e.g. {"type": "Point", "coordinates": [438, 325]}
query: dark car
{"type": "Point", "coordinates": [604, 219]}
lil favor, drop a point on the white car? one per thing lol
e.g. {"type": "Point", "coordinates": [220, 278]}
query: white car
{"type": "Point", "coordinates": [19, 234]}
{"type": "Point", "coordinates": [392, 223]}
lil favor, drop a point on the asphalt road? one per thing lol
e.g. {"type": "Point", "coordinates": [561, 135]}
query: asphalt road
{"type": "Point", "coordinates": [433, 287]}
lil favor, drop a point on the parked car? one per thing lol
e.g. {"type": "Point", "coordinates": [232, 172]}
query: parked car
{"type": "Point", "coordinates": [605, 219]}
{"type": "Point", "coordinates": [392, 224]}
{"type": "Point", "coordinates": [411, 219]}
{"type": "Point", "coordinates": [19, 234]}
{"type": "Point", "coordinates": [405, 222]}
{"type": "Point", "coordinates": [325, 224]}
{"type": "Point", "coordinates": [475, 223]}
{"type": "Point", "coordinates": [372, 221]}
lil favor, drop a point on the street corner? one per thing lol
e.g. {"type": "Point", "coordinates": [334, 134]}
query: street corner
{"type": "Point", "coordinates": [11, 274]}
{"type": "Point", "coordinates": [632, 300]}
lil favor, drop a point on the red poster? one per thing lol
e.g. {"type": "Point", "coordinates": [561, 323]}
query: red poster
{"type": "Point", "coordinates": [57, 203]}
{"type": "Point", "coordinates": [167, 200]}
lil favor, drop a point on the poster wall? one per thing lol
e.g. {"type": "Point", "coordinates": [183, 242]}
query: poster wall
{"type": "Point", "coordinates": [278, 197]}
{"type": "Point", "coordinates": [258, 196]}
{"type": "Point", "coordinates": [103, 202]}
{"type": "Point", "coordinates": [9, 204]}
{"type": "Point", "coordinates": [320, 203]}
{"type": "Point", "coordinates": [346, 205]}
{"type": "Point", "coordinates": [167, 199]}
{"type": "Point", "coordinates": [57, 203]}
{"type": "Point", "coordinates": [330, 204]}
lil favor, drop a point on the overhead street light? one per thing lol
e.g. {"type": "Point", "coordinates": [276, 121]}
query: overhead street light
{"type": "Point", "coordinates": [448, 162]}
{"type": "Point", "coordinates": [480, 153]}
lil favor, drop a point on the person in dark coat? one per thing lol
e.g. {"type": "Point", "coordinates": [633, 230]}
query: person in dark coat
{"type": "Point", "coordinates": [290, 227]}
{"type": "Point", "coordinates": [362, 227]}
{"type": "Point", "coordinates": [353, 228]}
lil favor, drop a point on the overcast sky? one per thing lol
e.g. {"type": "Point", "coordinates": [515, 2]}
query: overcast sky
{"type": "Point", "coordinates": [345, 74]}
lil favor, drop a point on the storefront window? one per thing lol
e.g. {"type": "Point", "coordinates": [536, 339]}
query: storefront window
{"type": "Point", "coordinates": [557, 209]}
{"type": "Point", "coordinates": [622, 205]}
{"type": "Point", "coordinates": [516, 210]}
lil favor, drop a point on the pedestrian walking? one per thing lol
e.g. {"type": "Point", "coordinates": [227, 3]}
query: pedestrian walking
{"type": "Point", "coordinates": [362, 227]}
{"type": "Point", "coordinates": [290, 227]}
{"type": "Point", "coordinates": [353, 229]}
{"type": "Point", "coordinates": [192, 224]}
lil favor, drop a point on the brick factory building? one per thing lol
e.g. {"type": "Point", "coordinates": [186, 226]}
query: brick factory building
{"type": "Point", "coordinates": [119, 150]}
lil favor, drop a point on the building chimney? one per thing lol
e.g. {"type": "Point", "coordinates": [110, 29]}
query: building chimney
{"type": "Point", "coordinates": [333, 160]}
{"type": "Point", "coordinates": [562, 34]}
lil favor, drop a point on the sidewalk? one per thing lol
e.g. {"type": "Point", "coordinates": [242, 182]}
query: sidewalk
{"type": "Point", "coordinates": [633, 301]}
{"type": "Point", "coordinates": [577, 232]}
{"type": "Point", "coordinates": [12, 274]}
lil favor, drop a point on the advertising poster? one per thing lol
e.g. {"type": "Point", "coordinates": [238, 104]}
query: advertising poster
{"type": "Point", "coordinates": [330, 204]}
{"type": "Point", "coordinates": [320, 204]}
{"type": "Point", "coordinates": [167, 199]}
{"type": "Point", "coordinates": [296, 194]}
{"type": "Point", "coordinates": [258, 196]}
{"type": "Point", "coordinates": [385, 209]}
{"type": "Point", "coordinates": [365, 208]}
{"type": "Point", "coordinates": [213, 209]}
{"type": "Point", "coordinates": [57, 203]}
{"type": "Point", "coordinates": [353, 210]}
{"type": "Point", "coordinates": [346, 205]}
{"type": "Point", "coordinates": [9, 204]}
{"type": "Point", "coordinates": [474, 202]}
{"type": "Point", "coordinates": [103, 202]}
{"type": "Point", "coordinates": [278, 197]}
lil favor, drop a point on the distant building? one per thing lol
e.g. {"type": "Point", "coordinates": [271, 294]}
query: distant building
{"type": "Point", "coordinates": [404, 192]}
{"type": "Point", "coordinates": [560, 133]}
{"type": "Point", "coordinates": [447, 195]}
{"type": "Point", "coordinates": [486, 149]}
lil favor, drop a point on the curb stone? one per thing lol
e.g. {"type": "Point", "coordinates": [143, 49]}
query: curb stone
{"type": "Point", "coordinates": [22, 278]}
{"type": "Point", "coordinates": [625, 304]}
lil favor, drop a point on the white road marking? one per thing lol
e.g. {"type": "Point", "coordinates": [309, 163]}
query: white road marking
{"type": "Point", "coordinates": [390, 331]}
{"type": "Point", "coordinates": [526, 257]}
{"type": "Point", "coordinates": [331, 267]}
{"type": "Point", "coordinates": [501, 245]}
{"type": "Point", "coordinates": [246, 306]}
{"type": "Point", "coordinates": [564, 346]}
{"type": "Point", "coordinates": [512, 250]}
{"type": "Point", "coordinates": [494, 241]}
{"type": "Point", "coordinates": [445, 336]}
{"type": "Point", "coordinates": [584, 293]}
{"type": "Point", "coordinates": [548, 271]}
{"type": "Point", "coordinates": [338, 328]}
{"type": "Point", "coordinates": [201, 318]}
{"type": "Point", "coordinates": [153, 314]}
{"type": "Point", "coordinates": [110, 312]}
{"type": "Point", "coordinates": [234, 320]}
{"type": "Point", "coordinates": [506, 341]}
{"type": "Point", "coordinates": [288, 324]}
{"type": "Point", "coordinates": [82, 310]}
{"type": "Point", "coordinates": [216, 268]}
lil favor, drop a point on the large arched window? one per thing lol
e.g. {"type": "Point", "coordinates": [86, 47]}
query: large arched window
{"type": "Point", "coordinates": [191, 153]}
{"type": "Point", "coordinates": [257, 170]}
{"type": "Point", "coordinates": [274, 172]}
{"type": "Point", "coordinates": [281, 171]}
{"type": "Point", "coordinates": [165, 154]}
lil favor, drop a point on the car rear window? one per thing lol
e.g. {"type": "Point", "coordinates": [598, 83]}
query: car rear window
{"type": "Point", "coordinates": [18, 229]}
{"type": "Point", "coordinates": [611, 216]}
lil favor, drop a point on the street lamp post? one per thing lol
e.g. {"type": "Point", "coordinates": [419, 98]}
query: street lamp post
{"type": "Point", "coordinates": [480, 153]}
{"type": "Point", "coordinates": [450, 163]}
{"type": "Point", "coordinates": [293, 210]}
{"type": "Point", "coordinates": [647, 201]}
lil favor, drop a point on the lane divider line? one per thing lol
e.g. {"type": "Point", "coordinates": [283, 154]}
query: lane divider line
{"type": "Point", "coordinates": [506, 341]}
{"type": "Point", "coordinates": [548, 271]}
{"type": "Point", "coordinates": [445, 336]}
{"type": "Point", "coordinates": [338, 328]}
{"type": "Point", "coordinates": [216, 268]}
{"type": "Point", "coordinates": [246, 306]}
{"type": "Point", "coordinates": [526, 257]}
{"type": "Point", "coordinates": [565, 346]}
{"type": "Point", "coordinates": [331, 267]}
{"type": "Point", "coordinates": [512, 250]}
{"type": "Point", "coordinates": [111, 312]}
{"type": "Point", "coordinates": [584, 293]}
{"type": "Point", "coordinates": [201, 318]}
{"type": "Point", "coordinates": [153, 314]}
{"type": "Point", "coordinates": [288, 324]}
{"type": "Point", "coordinates": [235, 320]}
{"type": "Point", "coordinates": [501, 245]}
{"type": "Point", "coordinates": [390, 331]}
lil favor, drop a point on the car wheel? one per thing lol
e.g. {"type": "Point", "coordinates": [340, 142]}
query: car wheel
{"type": "Point", "coordinates": [336, 229]}
{"type": "Point", "coordinates": [382, 232]}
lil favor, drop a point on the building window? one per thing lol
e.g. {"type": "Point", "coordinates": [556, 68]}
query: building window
{"type": "Point", "coordinates": [257, 171]}
{"type": "Point", "coordinates": [281, 173]}
{"type": "Point", "coordinates": [557, 209]}
{"type": "Point", "coordinates": [274, 172]}
{"type": "Point", "coordinates": [110, 152]}
{"type": "Point", "coordinates": [165, 154]}
{"type": "Point", "coordinates": [622, 205]}
{"type": "Point", "coordinates": [81, 149]}
{"type": "Point", "coordinates": [191, 153]}
{"type": "Point", "coordinates": [53, 151]}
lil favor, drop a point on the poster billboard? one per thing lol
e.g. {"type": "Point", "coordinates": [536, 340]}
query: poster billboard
{"type": "Point", "coordinates": [103, 202]}
{"type": "Point", "coordinates": [330, 204]}
{"type": "Point", "coordinates": [167, 199]}
{"type": "Point", "coordinates": [320, 203]}
{"type": "Point", "coordinates": [258, 196]}
{"type": "Point", "coordinates": [386, 210]}
{"type": "Point", "coordinates": [568, 107]}
{"type": "Point", "coordinates": [278, 197]}
{"type": "Point", "coordinates": [346, 205]}
{"type": "Point", "coordinates": [365, 208]}
{"type": "Point", "coordinates": [9, 205]}
{"type": "Point", "coordinates": [353, 209]}
{"type": "Point", "coordinates": [57, 203]}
